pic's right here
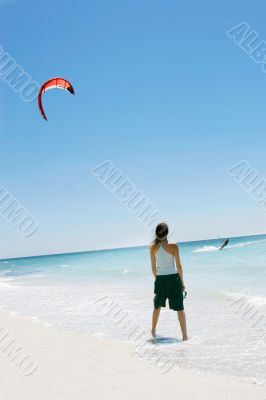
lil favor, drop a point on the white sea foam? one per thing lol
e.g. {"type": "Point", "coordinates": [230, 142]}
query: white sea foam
{"type": "Point", "coordinates": [33, 276]}
{"type": "Point", "coordinates": [244, 298]}
{"type": "Point", "coordinates": [205, 248]}
{"type": "Point", "coordinates": [6, 282]}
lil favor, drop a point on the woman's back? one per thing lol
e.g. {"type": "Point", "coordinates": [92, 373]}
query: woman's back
{"type": "Point", "coordinates": [165, 261]}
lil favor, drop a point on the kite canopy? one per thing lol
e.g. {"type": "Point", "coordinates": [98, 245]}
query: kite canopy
{"type": "Point", "coordinates": [59, 83]}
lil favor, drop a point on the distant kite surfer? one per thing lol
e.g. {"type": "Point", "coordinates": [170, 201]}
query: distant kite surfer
{"type": "Point", "coordinates": [225, 243]}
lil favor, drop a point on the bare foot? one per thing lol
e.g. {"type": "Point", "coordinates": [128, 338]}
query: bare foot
{"type": "Point", "coordinates": [153, 333]}
{"type": "Point", "coordinates": [185, 338]}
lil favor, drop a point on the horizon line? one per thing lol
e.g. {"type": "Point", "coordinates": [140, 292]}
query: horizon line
{"type": "Point", "coordinates": [119, 248]}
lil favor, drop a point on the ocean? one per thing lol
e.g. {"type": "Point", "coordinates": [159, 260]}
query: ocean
{"type": "Point", "coordinates": [86, 292]}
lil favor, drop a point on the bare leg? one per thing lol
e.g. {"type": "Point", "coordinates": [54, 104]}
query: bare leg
{"type": "Point", "coordinates": [155, 317]}
{"type": "Point", "coordinates": [183, 324]}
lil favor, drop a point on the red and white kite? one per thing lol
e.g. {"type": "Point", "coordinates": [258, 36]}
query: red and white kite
{"type": "Point", "coordinates": [59, 83]}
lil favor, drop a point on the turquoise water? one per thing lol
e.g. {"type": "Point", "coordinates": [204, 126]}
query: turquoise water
{"type": "Point", "coordinates": [226, 302]}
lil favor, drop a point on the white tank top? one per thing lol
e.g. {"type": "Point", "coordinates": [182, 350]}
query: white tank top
{"type": "Point", "coordinates": [165, 262]}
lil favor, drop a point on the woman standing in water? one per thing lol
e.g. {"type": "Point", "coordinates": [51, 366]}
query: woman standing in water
{"type": "Point", "coordinates": [168, 273]}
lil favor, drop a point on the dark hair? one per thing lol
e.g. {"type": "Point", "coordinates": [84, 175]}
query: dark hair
{"type": "Point", "coordinates": [161, 233]}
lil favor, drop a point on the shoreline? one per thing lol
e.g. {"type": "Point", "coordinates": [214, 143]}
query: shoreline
{"type": "Point", "coordinates": [65, 365]}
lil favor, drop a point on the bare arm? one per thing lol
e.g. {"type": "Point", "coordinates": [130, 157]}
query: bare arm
{"type": "Point", "coordinates": [179, 265]}
{"type": "Point", "coordinates": [153, 262]}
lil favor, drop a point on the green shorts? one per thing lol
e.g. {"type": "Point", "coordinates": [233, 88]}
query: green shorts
{"type": "Point", "coordinates": [168, 287]}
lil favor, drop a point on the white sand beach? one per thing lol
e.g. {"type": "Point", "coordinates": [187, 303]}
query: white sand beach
{"type": "Point", "coordinates": [78, 366]}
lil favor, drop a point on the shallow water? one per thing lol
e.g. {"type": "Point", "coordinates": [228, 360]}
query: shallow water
{"type": "Point", "coordinates": [92, 291]}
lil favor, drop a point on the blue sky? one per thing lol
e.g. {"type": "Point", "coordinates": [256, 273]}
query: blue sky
{"type": "Point", "coordinates": [162, 92]}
